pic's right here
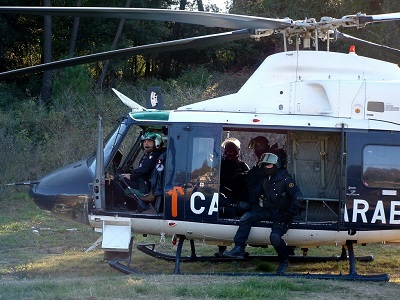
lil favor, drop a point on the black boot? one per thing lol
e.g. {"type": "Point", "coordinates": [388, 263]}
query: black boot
{"type": "Point", "coordinates": [221, 250]}
{"type": "Point", "coordinates": [291, 250]}
{"type": "Point", "coordinates": [282, 267]}
{"type": "Point", "coordinates": [236, 252]}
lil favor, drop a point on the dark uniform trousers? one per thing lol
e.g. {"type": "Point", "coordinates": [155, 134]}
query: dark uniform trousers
{"type": "Point", "coordinates": [280, 226]}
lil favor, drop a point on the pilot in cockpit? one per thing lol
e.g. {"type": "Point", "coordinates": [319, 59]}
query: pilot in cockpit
{"type": "Point", "coordinates": [139, 180]}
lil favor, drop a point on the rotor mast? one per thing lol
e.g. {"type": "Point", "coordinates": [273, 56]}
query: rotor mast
{"type": "Point", "coordinates": [309, 32]}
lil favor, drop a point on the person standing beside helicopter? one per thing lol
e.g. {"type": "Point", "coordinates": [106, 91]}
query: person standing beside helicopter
{"type": "Point", "coordinates": [139, 179]}
{"type": "Point", "coordinates": [282, 200]}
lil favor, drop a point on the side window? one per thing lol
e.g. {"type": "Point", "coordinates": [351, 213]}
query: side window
{"type": "Point", "coordinates": [203, 155]}
{"type": "Point", "coordinates": [193, 153]}
{"type": "Point", "coordinates": [381, 166]}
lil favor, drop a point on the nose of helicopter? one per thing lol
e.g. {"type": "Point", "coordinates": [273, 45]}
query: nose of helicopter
{"type": "Point", "coordinates": [65, 192]}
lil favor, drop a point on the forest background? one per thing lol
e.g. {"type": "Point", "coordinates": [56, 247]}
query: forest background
{"type": "Point", "coordinates": [48, 120]}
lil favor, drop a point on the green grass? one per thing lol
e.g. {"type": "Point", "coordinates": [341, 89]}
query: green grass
{"type": "Point", "coordinates": [191, 287]}
{"type": "Point", "coordinates": [53, 265]}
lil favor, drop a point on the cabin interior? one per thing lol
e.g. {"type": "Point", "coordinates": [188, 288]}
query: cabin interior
{"type": "Point", "coordinates": [312, 158]}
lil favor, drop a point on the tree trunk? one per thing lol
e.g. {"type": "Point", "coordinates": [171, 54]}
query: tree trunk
{"type": "Point", "coordinates": [74, 33]}
{"type": "Point", "coordinates": [113, 46]}
{"type": "Point", "coordinates": [200, 5]}
{"type": "Point", "coordinates": [165, 70]}
{"type": "Point", "coordinates": [46, 84]}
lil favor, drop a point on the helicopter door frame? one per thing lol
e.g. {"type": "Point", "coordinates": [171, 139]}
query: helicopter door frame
{"type": "Point", "coordinates": [99, 180]}
{"type": "Point", "coordinates": [192, 179]}
{"type": "Point", "coordinates": [315, 160]}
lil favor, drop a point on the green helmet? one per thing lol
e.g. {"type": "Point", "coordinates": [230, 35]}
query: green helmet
{"type": "Point", "coordinates": [270, 158]}
{"type": "Point", "coordinates": [154, 137]}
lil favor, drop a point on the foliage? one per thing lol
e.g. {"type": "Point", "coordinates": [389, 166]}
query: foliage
{"type": "Point", "coordinates": [9, 95]}
{"type": "Point", "coordinates": [35, 140]}
{"type": "Point", "coordinates": [22, 37]}
{"type": "Point", "coordinates": [75, 79]}
{"type": "Point", "coordinates": [43, 138]}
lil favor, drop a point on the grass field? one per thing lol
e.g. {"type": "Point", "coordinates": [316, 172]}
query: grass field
{"type": "Point", "coordinates": [42, 257]}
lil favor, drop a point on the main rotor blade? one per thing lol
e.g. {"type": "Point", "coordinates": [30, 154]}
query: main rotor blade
{"type": "Point", "coordinates": [360, 20]}
{"type": "Point", "coordinates": [357, 41]}
{"type": "Point", "coordinates": [363, 19]}
{"type": "Point", "coordinates": [194, 42]}
{"type": "Point", "coordinates": [208, 19]}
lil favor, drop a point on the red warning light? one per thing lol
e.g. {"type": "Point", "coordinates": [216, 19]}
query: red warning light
{"type": "Point", "coordinates": [352, 49]}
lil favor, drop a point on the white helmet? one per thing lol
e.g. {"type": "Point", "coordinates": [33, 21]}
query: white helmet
{"type": "Point", "coordinates": [270, 158]}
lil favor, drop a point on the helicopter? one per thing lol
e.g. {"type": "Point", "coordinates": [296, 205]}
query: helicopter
{"type": "Point", "coordinates": [334, 114]}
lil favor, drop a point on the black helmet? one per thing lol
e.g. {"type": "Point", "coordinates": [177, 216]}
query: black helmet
{"type": "Point", "coordinates": [259, 144]}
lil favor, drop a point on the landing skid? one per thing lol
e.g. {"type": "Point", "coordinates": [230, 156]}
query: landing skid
{"type": "Point", "coordinates": [149, 250]}
{"type": "Point", "coordinates": [122, 264]}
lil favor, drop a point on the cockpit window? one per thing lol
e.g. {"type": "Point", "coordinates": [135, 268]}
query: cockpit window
{"type": "Point", "coordinates": [119, 138]}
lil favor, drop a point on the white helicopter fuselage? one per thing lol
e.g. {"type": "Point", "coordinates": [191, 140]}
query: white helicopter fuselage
{"type": "Point", "coordinates": [302, 91]}
{"type": "Point", "coordinates": [223, 234]}
{"type": "Point", "coordinates": [316, 83]}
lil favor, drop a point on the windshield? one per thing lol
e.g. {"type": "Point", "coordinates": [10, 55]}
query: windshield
{"type": "Point", "coordinates": [111, 144]}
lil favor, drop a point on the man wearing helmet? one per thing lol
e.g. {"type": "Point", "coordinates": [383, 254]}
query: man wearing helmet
{"type": "Point", "coordinates": [139, 179]}
{"type": "Point", "coordinates": [260, 145]}
{"type": "Point", "coordinates": [282, 200]}
{"type": "Point", "coordinates": [233, 189]}
{"type": "Point", "coordinates": [232, 169]}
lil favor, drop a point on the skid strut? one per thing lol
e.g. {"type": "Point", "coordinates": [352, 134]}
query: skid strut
{"type": "Point", "coordinates": [149, 249]}
{"type": "Point", "coordinates": [121, 262]}
{"type": "Point", "coordinates": [177, 269]}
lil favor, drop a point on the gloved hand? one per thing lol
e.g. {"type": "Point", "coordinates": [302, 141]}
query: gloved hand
{"type": "Point", "coordinates": [294, 210]}
{"type": "Point", "coordinates": [284, 217]}
{"type": "Point", "coordinates": [244, 205]}
{"type": "Point", "coordinates": [288, 217]}
{"type": "Point", "coordinates": [124, 176]}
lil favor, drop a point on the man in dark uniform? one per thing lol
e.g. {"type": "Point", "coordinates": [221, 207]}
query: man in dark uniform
{"type": "Point", "coordinates": [139, 179]}
{"type": "Point", "coordinates": [233, 170]}
{"type": "Point", "coordinates": [282, 200]}
{"type": "Point", "coordinates": [260, 145]}
{"type": "Point", "coordinates": [233, 189]}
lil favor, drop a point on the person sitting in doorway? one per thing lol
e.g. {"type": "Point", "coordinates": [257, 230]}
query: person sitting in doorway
{"type": "Point", "coordinates": [282, 200]}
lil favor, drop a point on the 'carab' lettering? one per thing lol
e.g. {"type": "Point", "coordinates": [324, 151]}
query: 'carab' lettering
{"type": "Point", "coordinates": [361, 207]}
{"type": "Point", "coordinates": [197, 203]}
